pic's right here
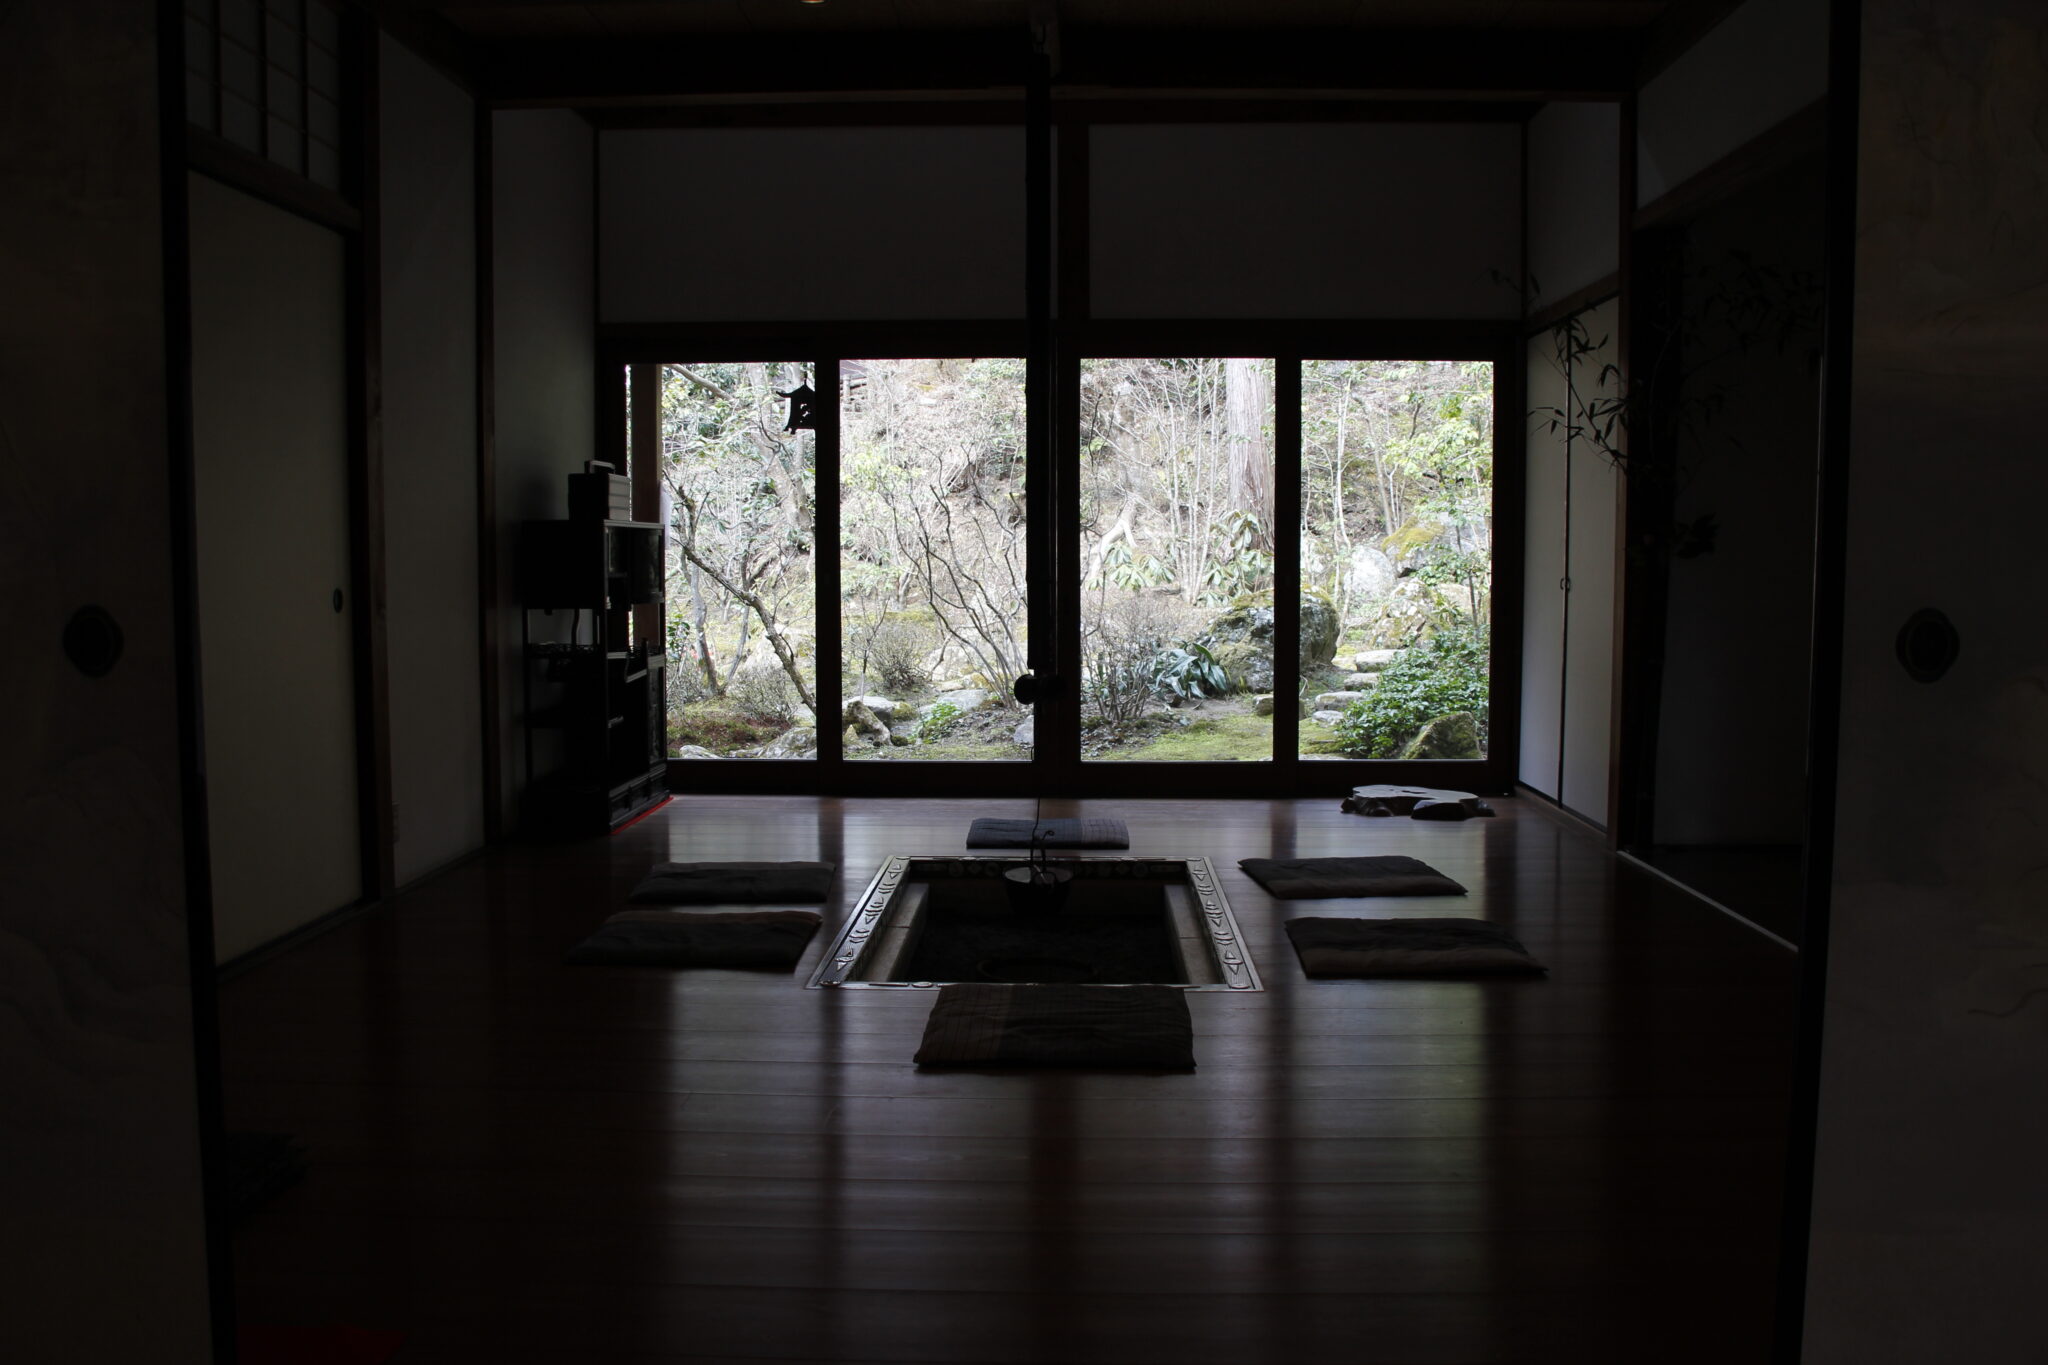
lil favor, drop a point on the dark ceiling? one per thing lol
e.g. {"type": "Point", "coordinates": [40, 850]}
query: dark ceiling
{"type": "Point", "coordinates": [539, 18]}
{"type": "Point", "coordinates": [624, 53]}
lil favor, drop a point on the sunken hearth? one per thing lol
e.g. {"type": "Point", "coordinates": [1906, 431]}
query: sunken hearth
{"type": "Point", "coordinates": [934, 921]}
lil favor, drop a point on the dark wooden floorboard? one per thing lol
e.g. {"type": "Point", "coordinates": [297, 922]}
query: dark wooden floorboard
{"type": "Point", "coordinates": [516, 1161]}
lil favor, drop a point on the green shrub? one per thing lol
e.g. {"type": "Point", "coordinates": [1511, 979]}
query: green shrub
{"type": "Point", "coordinates": [937, 721]}
{"type": "Point", "coordinates": [1188, 672]}
{"type": "Point", "coordinates": [1440, 678]}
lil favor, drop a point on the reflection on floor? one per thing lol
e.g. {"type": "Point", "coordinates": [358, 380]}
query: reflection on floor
{"type": "Point", "coordinates": [1760, 882]}
{"type": "Point", "coordinates": [513, 1161]}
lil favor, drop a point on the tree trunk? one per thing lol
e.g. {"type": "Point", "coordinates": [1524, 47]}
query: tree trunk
{"type": "Point", "coordinates": [1246, 400]}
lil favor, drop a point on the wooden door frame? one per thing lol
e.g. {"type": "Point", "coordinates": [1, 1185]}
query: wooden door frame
{"type": "Point", "coordinates": [1287, 342]}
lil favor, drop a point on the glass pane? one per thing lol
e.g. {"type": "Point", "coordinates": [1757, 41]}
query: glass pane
{"type": "Point", "coordinates": [323, 164]}
{"type": "Point", "coordinates": [1177, 559]}
{"type": "Point", "coordinates": [323, 120]}
{"type": "Point", "coordinates": [241, 123]}
{"type": "Point", "coordinates": [238, 21]}
{"type": "Point", "coordinates": [323, 72]}
{"type": "Point", "coordinates": [199, 101]}
{"type": "Point", "coordinates": [1397, 536]}
{"type": "Point", "coordinates": [287, 48]}
{"type": "Point", "coordinates": [200, 47]}
{"type": "Point", "coordinates": [283, 99]}
{"type": "Point", "coordinates": [931, 509]}
{"type": "Point", "coordinates": [739, 498]}
{"type": "Point", "coordinates": [287, 145]}
{"type": "Point", "coordinates": [240, 71]}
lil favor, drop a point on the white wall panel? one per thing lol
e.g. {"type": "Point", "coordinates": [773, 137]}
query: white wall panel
{"type": "Point", "coordinates": [430, 489]}
{"type": "Point", "coordinates": [1306, 220]}
{"type": "Point", "coordinates": [1543, 573]}
{"type": "Point", "coordinates": [1589, 632]}
{"type": "Point", "coordinates": [1574, 197]}
{"type": "Point", "coordinates": [812, 223]}
{"type": "Point", "coordinates": [1760, 65]}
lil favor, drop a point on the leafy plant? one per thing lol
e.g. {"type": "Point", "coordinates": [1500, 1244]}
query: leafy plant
{"type": "Point", "coordinates": [1240, 565]}
{"type": "Point", "coordinates": [1116, 679]}
{"type": "Point", "coordinates": [937, 721]}
{"type": "Point", "coordinates": [1188, 672]}
{"type": "Point", "coordinates": [1441, 678]}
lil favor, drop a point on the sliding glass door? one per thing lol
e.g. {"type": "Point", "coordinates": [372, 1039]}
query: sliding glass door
{"type": "Point", "coordinates": [1177, 562]}
{"type": "Point", "coordinates": [933, 604]}
{"type": "Point", "coordinates": [1281, 564]}
{"type": "Point", "coordinates": [1396, 544]}
{"type": "Point", "coordinates": [738, 501]}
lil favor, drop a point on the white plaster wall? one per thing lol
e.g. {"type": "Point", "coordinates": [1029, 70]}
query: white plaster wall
{"type": "Point", "coordinates": [1931, 1192]}
{"type": "Point", "coordinates": [1589, 628]}
{"type": "Point", "coordinates": [1574, 198]}
{"type": "Point", "coordinates": [430, 470]}
{"type": "Point", "coordinates": [271, 517]}
{"type": "Point", "coordinates": [811, 223]}
{"type": "Point", "coordinates": [102, 1222]}
{"type": "Point", "coordinates": [545, 355]}
{"type": "Point", "coordinates": [1756, 68]}
{"type": "Point", "coordinates": [1543, 529]}
{"type": "Point", "coordinates": [1731, 744]}
{"type": "Point", "coordinates": [1402, 220]}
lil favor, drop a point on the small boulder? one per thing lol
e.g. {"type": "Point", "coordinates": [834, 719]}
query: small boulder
{"type": "Point", "coordinates": [1248, 667]}
{"type": "Point", "coordinates": [1262, 705]}
{"type": "Point", "coordinates": [864, 724]}
{"type": "Point", "coordinates": [884, 709]}
{"type": "Point", "coordinates": [1452, 736]}
{"type": "Point", "coordinates": [694, 751]}
{"type": "Point", "coordinates": [1375, 660]}
{"type": "Point", "coordinates": [1026, 734]}
{"type": "Point", "coordinates": [1337, 701]}
{"type": "Point", "coordinates": [1361, 682]}
{"type": "Point", "coordinates": [799, 741]}
{"type": "Point", "coordinates": [1327, 717]}
{"type": "Point", "coordinates": [962, 699]}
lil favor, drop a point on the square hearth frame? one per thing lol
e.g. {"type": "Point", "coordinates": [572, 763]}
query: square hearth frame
{"type": "Point", "coordinates": [1208, 921]}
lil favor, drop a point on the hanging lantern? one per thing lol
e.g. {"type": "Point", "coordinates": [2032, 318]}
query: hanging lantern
{"type": "Point", "coordinates": [803, 408]}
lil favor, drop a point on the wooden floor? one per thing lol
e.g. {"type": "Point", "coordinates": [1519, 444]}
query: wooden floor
{"type": "Point", "coordinates": [515, 1161]}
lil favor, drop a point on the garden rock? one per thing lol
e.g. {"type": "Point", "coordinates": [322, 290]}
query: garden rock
{"type": "Point", "coordinates": [1360, 682]}
{"type": "Point", "coordinates": [796, 742]}
{"type": "Point", "coordinates": [863, 724]}
{"type": "Point", "coordinates": [1247, 666]}
{"type": "Point", "coordinates": [694, 751]}
{"type": "Point", "coordinates": [1327, 717]}
{"type": "Point", "coordinates": [1263, 705]}
{"type": "Point", "coordinates": [1370, 573]}
{"type": "Point", "coordinates": [1337, 701]}
{"type": "Point", "coordinates": [1249, 620]}
{"type": "Point", "coordinates": [963, 699]}
{"type": "Point", "coordinates": [1026, 734]}
{"type": "Point", "coordinates": [1452, 736]}
{"type": "Point", "coordinates": [884, 709]}
{"type": "Point", "coordinates": [1375, 660]}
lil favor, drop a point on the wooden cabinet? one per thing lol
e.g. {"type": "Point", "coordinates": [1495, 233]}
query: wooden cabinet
{"type": "Point", "coordinates": [593, 699]}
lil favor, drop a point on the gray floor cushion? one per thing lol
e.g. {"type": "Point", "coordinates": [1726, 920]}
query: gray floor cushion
{"type": "Point", "coordinates": [1293, 879]}
{"type": "Point", "coordinates": [1085, 832]}
{"type": "Point", "coordinates": [1408, 947]}
{"type": "Point", "coordinates": [686, 938]}
{"type": "Point", "coordinates": [1066, 1026]}
{"type": "Point", "coordinates": [749, 883]}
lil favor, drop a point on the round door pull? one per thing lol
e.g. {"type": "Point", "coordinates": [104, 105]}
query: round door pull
{"type": "Point", "coordinates": [337, 599]}
{"type": "Point", "coordinates": [92, 641]}
{"type": "Point", "coordinates": [1928, 645]}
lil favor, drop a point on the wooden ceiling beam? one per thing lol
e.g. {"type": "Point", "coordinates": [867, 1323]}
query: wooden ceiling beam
{"type": "Point", "coordinates": [1461, 65]}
